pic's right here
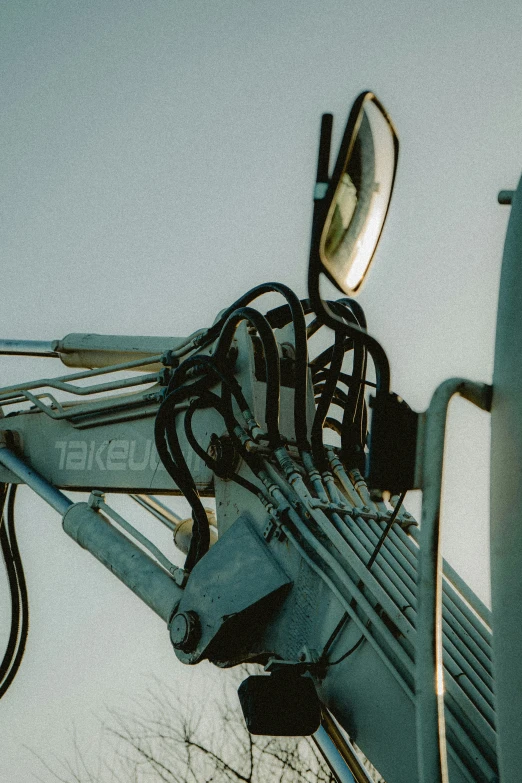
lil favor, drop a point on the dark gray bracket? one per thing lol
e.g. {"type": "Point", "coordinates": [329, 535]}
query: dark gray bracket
{"type": "Point", "coordinates": [231, 593]}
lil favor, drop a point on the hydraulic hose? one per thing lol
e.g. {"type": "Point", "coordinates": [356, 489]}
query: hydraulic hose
{"type": "Point", "coordinates": [297, 311]}
{"type": "Point", "coordinates": [272, 367]}
{"type": "Point", "coordinates": [19, 599]}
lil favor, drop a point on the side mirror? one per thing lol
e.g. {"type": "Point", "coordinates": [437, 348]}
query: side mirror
{"type": "Point", "coordinates": [351, 206]}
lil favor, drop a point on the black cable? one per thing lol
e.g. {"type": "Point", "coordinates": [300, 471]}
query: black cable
{"type": "Point", "coordinates": [167, 442]}
{"type": "Point", "coordinates": [333, 424]}
{"type": "Point", "coordinates": [209, 365]}
{"type": "Point", "coordinates": [297, 310]}
{"type": "Point", "coordinates": [272, 367]}
{"type": "Point", "coordinates": [386, 530]}
{"type": "Point", "coordinates": [212, 400]}
{"type": "Point", "coordinates": [356, 309]}
{"type": "Point", "coordinates": [338, 398]}
{"type": "Point", "coordinates": [326, 313]}
{"type": "Point", "coordinates": [333, 636]}
{"type": "Point", "coordinates": [348, 652]}
{"type": "Point", "coordinates": [352, 437]}
{"type": "Point", "coordinates": [172, 458]}
{"type": "Point", "coordinates": [323, 358]}
{"type": "Point", "coordinates": [326, 399]}
{"type": "Point", "coordinates": [13, 587]}
{"type": "Point", "coordinates": [19, 599]}
{"type": "Point", "coordinates": [348, 380]}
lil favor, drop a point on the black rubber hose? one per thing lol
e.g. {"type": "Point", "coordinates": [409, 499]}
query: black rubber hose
{"type": "Point", "coordinates": [297, 310]}
{"type": "Point", "coordinates": [13, 589]}
{"type": "Point", "coordinates": [330, 318]}
{"type": "Point", "coordinates": [169, 449]}
{"type": "Point", "coordinates": [271, 355]}
{"type": "Point", "coordinates": [211, 400]}
{"type": "Point", "coordinates": [209, 364]}
{"type": "Point", "coordinates": [21, 629]}
{"type": "Point", "coordinates": [326, 399]}
{"type": "Point", "coordinates": [356, 309]}
{"type": "Point", "coordinates": [174, 462]}
{"type": "Point", "coordinates": [352, 437]}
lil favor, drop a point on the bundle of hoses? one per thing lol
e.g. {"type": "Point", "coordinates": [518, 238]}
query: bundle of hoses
{"type": "Point", "coordinates": [198, 377]}
{"type": "Point", "coordinates": [19, 602]}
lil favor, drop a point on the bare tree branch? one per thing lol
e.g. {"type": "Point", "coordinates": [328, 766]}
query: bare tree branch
{"type": "Point", "coordinates": [168, 736]}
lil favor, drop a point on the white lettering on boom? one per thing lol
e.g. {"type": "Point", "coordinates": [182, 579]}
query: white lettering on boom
{"type": "Point", "coordinates": [109, 455]}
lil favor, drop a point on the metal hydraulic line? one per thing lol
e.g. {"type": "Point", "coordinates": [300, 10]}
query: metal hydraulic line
{"type": "Point", "coordinates": [28, 348]}
{"type": "Point", "coordinates": [93, 532]}
{"type": "Point", "coordinates": [455, 625]}
{"type": "Point", "coordinates": [475, 686]}
{"type": "Point", "coordinates": [159, 510]}
{"type": "Point", "coordinates": [339, 753]}
{"type": "Point", "coordinates": [411, 551]}
{"type": "Point", "coordinates": [56, 499]}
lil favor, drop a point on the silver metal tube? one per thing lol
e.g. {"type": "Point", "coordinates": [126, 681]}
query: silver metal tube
{"type": "Point", "coordinates": [159, 510]}
{"type": "Point", "coordinates": [453, 577]}
{"type": "Point", "coordinates": [429, 678]}
{"type": "Point", "coordinates": [474, 601]}
{"type": "Point", "coordinates": [101, 350]}
{"type": "Point", "coordinates": [456, 624]}
{"type": "Point", "coordinates": [60, 502]}
{"type": "Point", "coordinates": [143, 540]}
{"type": "Point", "coordinates": [339, 753]}
{"type": "Point", "coordinates": [332, 756]}
{"type": "Point", "coordinates": [480, 686]}
{"type": "Point", "coordinates": [92, 531]}
{"type": "Point", "coordinates": [469, 617]}
{"type": "Point", "coordinates": [28, 348]}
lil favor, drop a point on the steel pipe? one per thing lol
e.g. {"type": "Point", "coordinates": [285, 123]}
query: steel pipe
{"type": "Point", "coordinates": [339, 753]}
{"type": "Point", "coordinates": [28, 348]}
{"type": "Point", "coordinates": [60, 502]}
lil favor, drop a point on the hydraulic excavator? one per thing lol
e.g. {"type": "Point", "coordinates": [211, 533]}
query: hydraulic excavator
{"type": "Point", "coordinates": [311, 566]}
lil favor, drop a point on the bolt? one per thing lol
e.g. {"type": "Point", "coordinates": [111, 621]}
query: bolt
{"type": "Point", "coordinates": [96, 497]}
{"type": "Point", "coordinates": [185, 631]}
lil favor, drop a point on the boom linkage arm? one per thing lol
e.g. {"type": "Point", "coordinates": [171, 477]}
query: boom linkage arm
{"type": "Point", "coordinates": [94, 532]}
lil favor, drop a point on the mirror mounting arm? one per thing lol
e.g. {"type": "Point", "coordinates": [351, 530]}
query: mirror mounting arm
{"type": "Point", "coordinates": [330, 319]}
{"type": "Point", "coordinates": [323, 158]}
{"type": "Point", "coordinates": [350, 209]}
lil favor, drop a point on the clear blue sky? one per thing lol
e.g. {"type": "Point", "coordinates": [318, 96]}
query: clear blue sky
{"type": "Point", "coordinates": [157, 160]}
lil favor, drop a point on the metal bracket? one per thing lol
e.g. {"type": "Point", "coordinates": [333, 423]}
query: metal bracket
{"type": "Point", "coordinates": [221, 590]}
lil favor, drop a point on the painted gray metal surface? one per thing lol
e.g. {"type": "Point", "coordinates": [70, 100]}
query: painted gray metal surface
{"type": "Point", "coordinates": [92, 531]}
{"type": "Point", "coordinates": [371, 692]}
{"type": "Point", "coordinates": [28, 348]}
{"type": "Point", "coordinates": [117, 456]}
{"type": "Point", "coordinates": [506, 505]}
{"type": "Point", "coordinates": [27, 475]}
{"type": "Point", "coordinates": [237, 573]}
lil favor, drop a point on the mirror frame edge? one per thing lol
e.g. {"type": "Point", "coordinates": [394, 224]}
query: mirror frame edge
{"type": "Point", "coordinates": [323, 206]}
